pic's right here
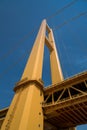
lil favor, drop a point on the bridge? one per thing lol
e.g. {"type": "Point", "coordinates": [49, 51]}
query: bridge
{"type": "Point", "coordinates": [65, 103]}
{"type": "Point", "coordinates": [60, 106]}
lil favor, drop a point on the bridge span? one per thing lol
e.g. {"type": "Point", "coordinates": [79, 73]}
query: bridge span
{"type": "Point", "coordinates": [65, 103]}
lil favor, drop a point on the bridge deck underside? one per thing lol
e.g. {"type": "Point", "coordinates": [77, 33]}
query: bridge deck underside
{"type": "Point", "coordinates": [69, 116]}
{"type": "Point", "coordinates": [65, 104]}
{"type": "Point", "coordinates": [3, 115]}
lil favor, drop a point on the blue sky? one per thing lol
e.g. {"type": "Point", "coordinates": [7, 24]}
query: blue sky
{"type": "Point", "coordinates": [17, 20]}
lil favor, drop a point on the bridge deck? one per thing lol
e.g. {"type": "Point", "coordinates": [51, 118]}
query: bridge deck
{"type": "Point", "coordinates": [65, 104]}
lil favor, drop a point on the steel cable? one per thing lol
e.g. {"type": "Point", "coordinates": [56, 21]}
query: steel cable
{"type": "Point", "coordinates": [17, 44]}
{"type": "Point", "coordinates": [62, 9]}
{"type": "Point", "coordinates": [70, 20]}
{"type": "Point", "coordinates": [13, 65]}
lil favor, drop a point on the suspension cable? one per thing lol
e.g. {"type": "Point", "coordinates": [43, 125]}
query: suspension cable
{"type": "Point", "coordinates": [61, 10]}
{"type": "Point", "coordinates": [13, 65]}
{"type": "Point", "coordinates": [17, 44]}
{"type": "Point", "coordinates": [71, 19]}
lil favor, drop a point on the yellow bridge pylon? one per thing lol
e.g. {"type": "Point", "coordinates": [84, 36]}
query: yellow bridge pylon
{"type": "Point", "coordinates": [30, 105]}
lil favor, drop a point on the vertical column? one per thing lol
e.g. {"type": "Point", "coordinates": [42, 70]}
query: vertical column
{"type": "Point", "coordinates": [56, 71]}
{"type": "Point", "coordinates": [25, 112]}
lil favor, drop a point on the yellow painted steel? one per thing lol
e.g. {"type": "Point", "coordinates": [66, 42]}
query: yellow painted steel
{"type": "Point", "coordinates": [33, 69]}
{"type": "Point", "coordinates": [25, 112]}
{"type": "Point", "coordinates": [56, 72]}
